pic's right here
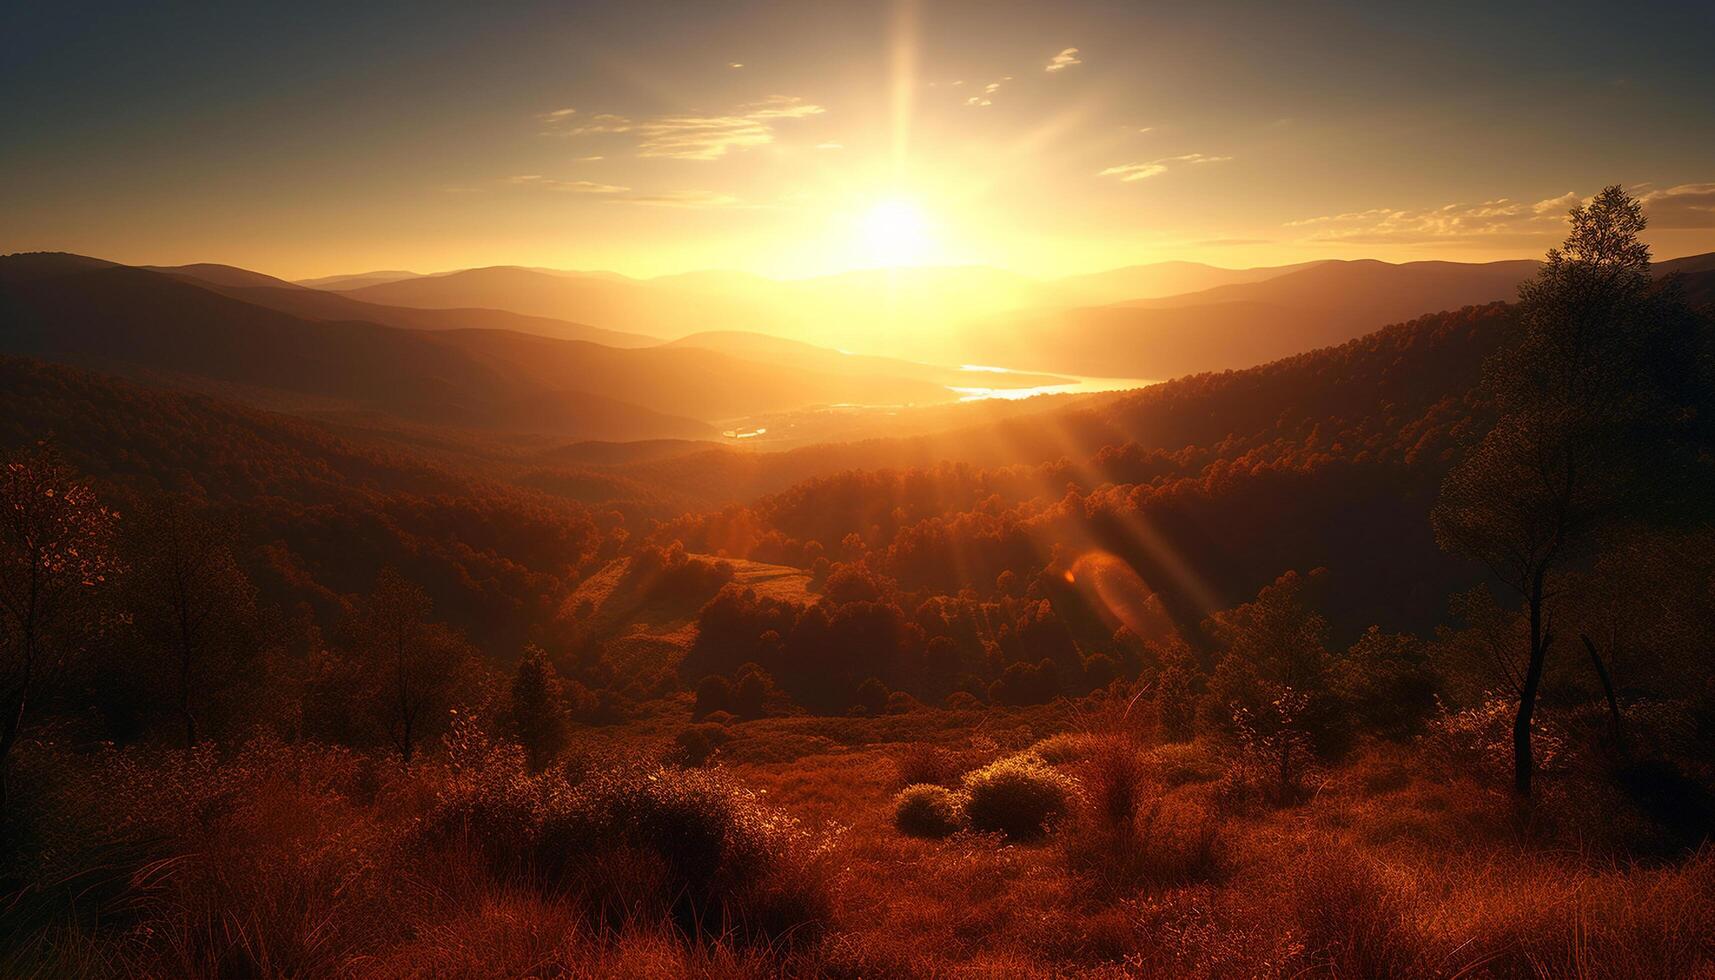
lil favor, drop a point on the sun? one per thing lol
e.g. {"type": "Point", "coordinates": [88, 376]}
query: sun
{"type": "Point", "coordinates": [895, 231]}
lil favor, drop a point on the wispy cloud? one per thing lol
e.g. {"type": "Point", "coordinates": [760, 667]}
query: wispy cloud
{"type": "Point", "coordinates": [569, 186]}
{"type": "Point", "coordinates": [694, 137]}
{"type": "Point", "coordinates": [1128, 172]}
{"type": "Point", "coordinates": [982, 98]}
{"type": "Point", "coordinates": [1063, 61]}
{"type": "Point", "coordinates": [1681, 206]}
{"type": "Point", "coordinates": [568, 122]}
{"type": "Point", "coordinates": [696, 200]}
{"type": "Point", "coordinates": [1499, 217]}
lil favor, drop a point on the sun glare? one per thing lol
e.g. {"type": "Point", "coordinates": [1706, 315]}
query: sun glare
{"type": "Point", "coordinates": [895, 232]}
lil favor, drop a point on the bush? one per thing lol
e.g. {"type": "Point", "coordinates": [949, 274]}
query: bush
{"type": "Point", "coordinates": [962, 701]}
{"type": "Point", "coordinates": [696, 745]}
{"type": "Point", "coordinates": [925, 810]}
{"type": "Point", "coordinates": [1057, 750]}
{"type": "Point", "coordinates": [924, 763]}
{"type": "Point", "coordinates": [642, 844]}
{"type": "Point", "coordinates": [714, 693]}
{"type": "Point", "coordinates": [1019, 796]}
{"type": "Point", "coordinates": [707, 850]}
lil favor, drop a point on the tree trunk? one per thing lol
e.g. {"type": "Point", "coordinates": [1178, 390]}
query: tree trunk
{"type": "Point", "coordinates": [1614, 716]}
{"type": "Point", "coordinates": [1524, 765]}
{"type": "Point", "coordinates": [9, 728]}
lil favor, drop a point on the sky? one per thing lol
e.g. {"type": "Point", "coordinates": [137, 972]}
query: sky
{"type": "Point", "coordinates": [805, 138]}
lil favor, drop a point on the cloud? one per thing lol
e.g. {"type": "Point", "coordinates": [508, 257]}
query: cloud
{"type": "Point", "coordinates": [1681, 206]}
{"type": "Point", "coordinates": [569, 186]}
{"type": "Point", "coordinates": [735, 64]}
{"type": "Point", "coordinates": [687, 199]}
{"type": "Point", "coordinates": [1196, 158]}
{"type": "Point", "coordinates": [988, 90]}
{"type": "Point", "coordinates": [1450, 223]}
{"type": "Point", "coordinates": [567, 122]}
{"type": "Point", "coordinates": [1128, 172]}
{"type": "Point", "coordinates": [1063, 60]}
{"type": "Point", "coordinates": [830, 145]}
{"type": "Point", "coordinates": [693, 137]}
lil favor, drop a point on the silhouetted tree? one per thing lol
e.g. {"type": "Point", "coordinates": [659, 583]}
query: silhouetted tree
{"type": "Point", "coordinates": [56, 554]}
{"type": "Point", "coordinates": [193, 605]}
{"type": "Point", "coordinates": [714, 693]}
{"type": "Point", "coordinates": [418, 665]}
{"type": "Point", "coordinates": [1276, 645]}
{"type": "Point", "coordinates": [1583, 401]}
{"type": "Point", "coordinates": [538, 709]}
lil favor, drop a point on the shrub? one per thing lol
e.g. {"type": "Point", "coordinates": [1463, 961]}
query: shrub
{"type": "Point", "coordinates": [1065, 747]}
{"type": "Point", "coordinates": [1176, 704]}
{"type": "Point", "coordinates": [641, 843]}
{"type": "Point", "coordinates": [923, 763]}
{"type": "Point", "coordinates": [871, 696]}
{"type": "Point", "coordinates": [714, 693]}
{"type": "Point", "coordinates": [696, 745]}
{"type": "Point", "coordinates": [962, 701]}
{"type": "Point", "coordinates": [925, 810]}
{"type": "Point", "coordinates": [699, 848]}
{"type": "Point", "coordinates": [1019, 796]}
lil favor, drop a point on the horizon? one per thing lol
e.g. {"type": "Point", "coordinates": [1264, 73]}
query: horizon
{"type": "Point", "coordinates": [856, 270]}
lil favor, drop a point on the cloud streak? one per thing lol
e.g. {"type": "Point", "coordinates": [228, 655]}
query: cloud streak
{"type": "Point", "coordinates": [982, 98]}
{"type": "Point", "coordinates": [1681, 206]}
{"type": "Point", "coordinates": [690, 136]}
{"type": "Point", "coordinates": [1130, 172]}
{"type": "Point", "coordinates": [1063, 61]}
{"type": "Point", "coordinates": [568, 186]}
{"type": "Point", "coordinates": [1499, 217]}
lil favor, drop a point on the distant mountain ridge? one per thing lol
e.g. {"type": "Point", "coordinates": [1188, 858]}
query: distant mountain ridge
{"type": "Point", "coordinates": [171, 328]}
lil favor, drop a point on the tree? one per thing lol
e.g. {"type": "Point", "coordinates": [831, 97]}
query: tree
{"type": "Point", "coordinates": [1584, 403]}
{"type": "Point", "coordinates": [538, 709]}
{"type": "Point", "coordinates": [56, 556]}
{"type": "Point", "coordinates": [195, 608]}
{"type": "Point", "coordinates": [417, 666]}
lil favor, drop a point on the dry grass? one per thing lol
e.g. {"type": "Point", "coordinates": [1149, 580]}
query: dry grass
{"type": "Point", "coordinates": [303, 861]}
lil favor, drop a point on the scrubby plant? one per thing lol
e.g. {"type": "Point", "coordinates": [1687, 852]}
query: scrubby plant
{"type": "Point", "coordinates": [1065, 747]}
{"type": "Point", "coordinates": [693, 845]}
{"type": "Point", "coordinates": [640, 844]}
{"type": "Point", "coordinates": [1019, 796]}
{"type": "Point", "coordinates": [697, 745]}
{"type": "Point", "coordinates": [925, 763]}
{"type": "Point", "coordinates": [927, 810]}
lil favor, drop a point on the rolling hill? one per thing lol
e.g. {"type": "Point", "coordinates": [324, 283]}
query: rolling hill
{"type": "Point", "coordinates": [161, 328]}
{"type": "Point", "coordinates": [171, 328]}
{"type": "Point", "coordinates": [1244, 323]}
{"type": "Point", "coordinates": [319, 304]}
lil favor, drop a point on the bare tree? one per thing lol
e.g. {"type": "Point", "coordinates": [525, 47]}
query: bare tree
{"type": "Point", "coordinates": [1581, 402]}
{"type": "Point", "coordinates": [192, 602]}
{"type": "Point", "coordinates": [417, 666]}
{"type": "Point", "coordinates": [56, 557]}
